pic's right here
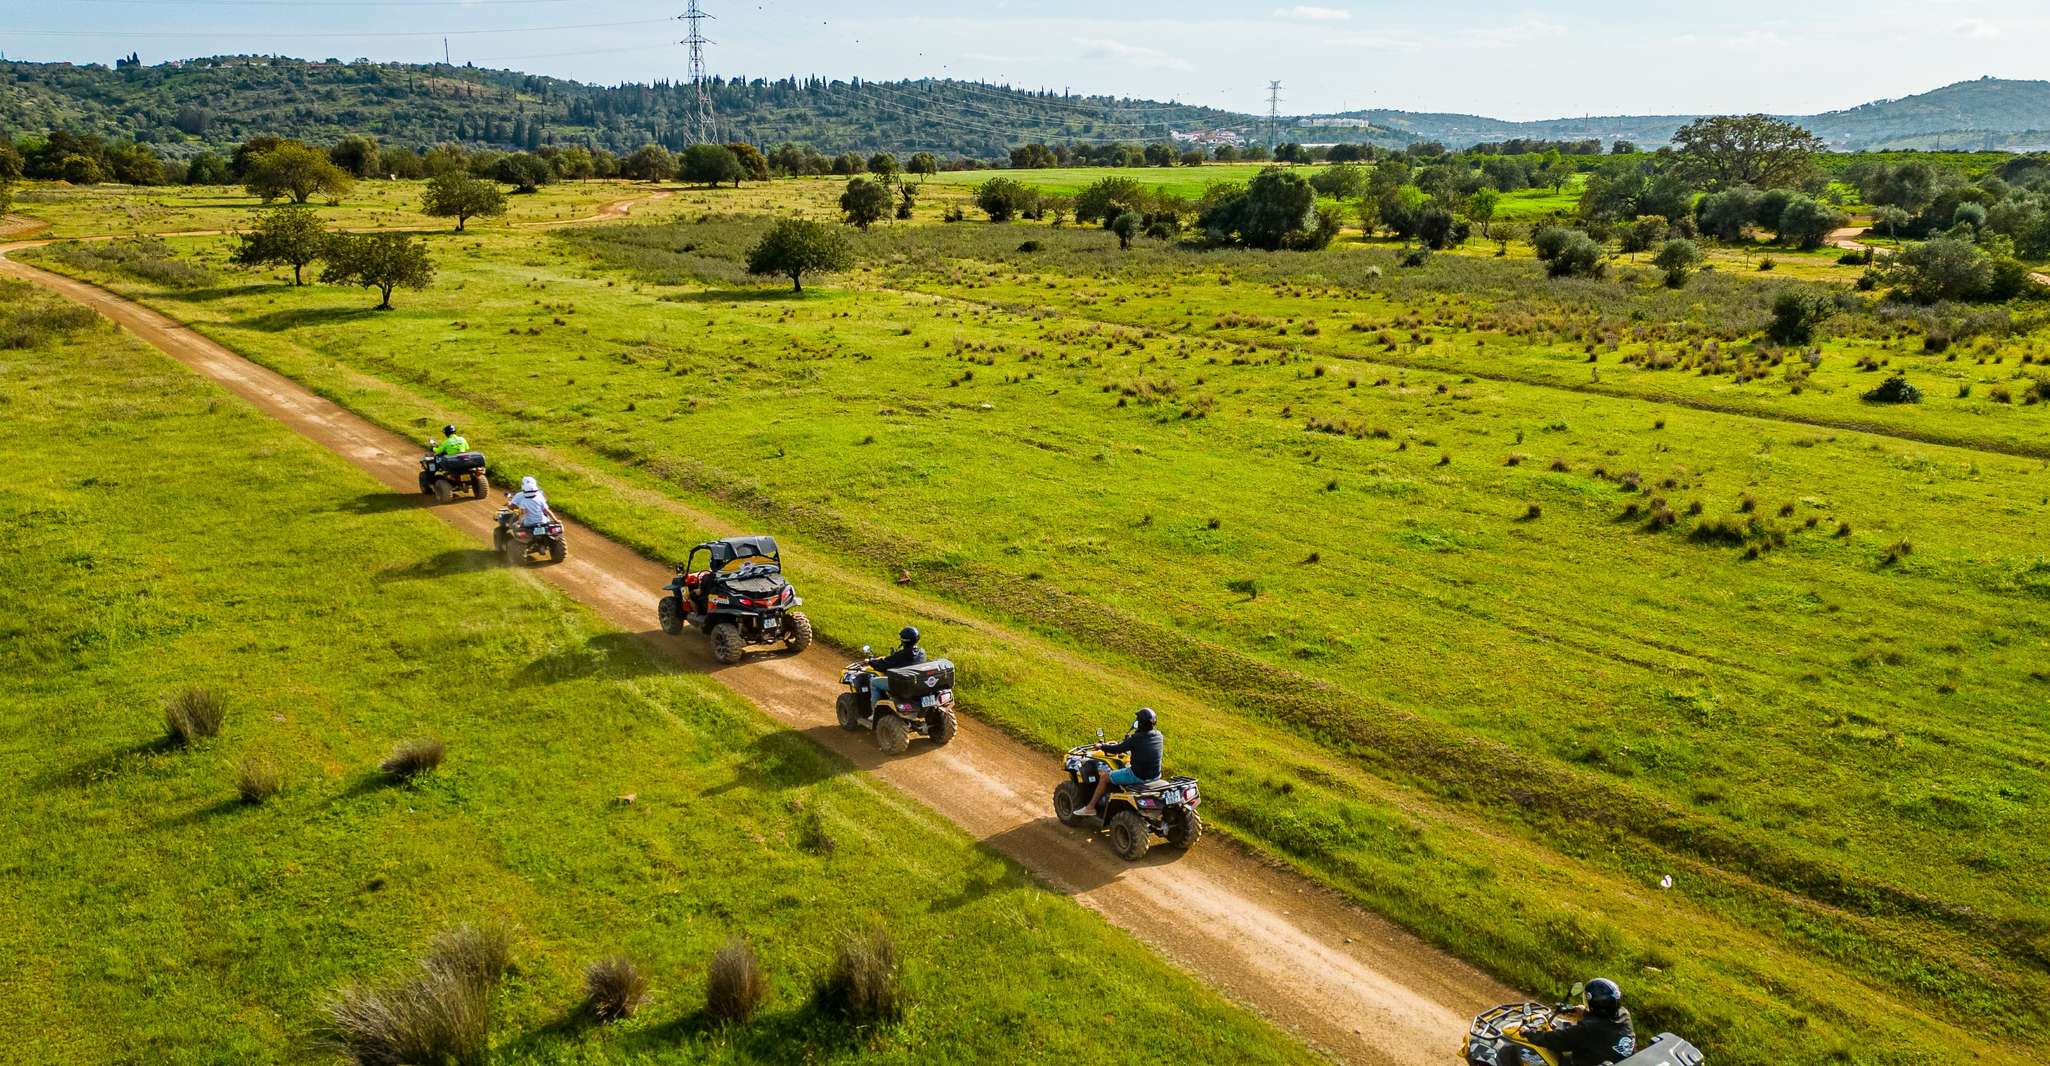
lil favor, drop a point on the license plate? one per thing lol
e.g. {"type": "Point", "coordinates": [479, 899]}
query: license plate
{"type": "Point", "coordinates": [929, 701]}
{"type": "Point", "coordinates": [771, 624]}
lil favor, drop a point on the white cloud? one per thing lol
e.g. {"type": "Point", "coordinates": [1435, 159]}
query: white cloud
{"type": "Point", "coordinates": [1312, 13]}
{"type": "Point", "coordinates": [1135, 54]}
{"type": "Point", "coordinates": [1980, 30]}
{"type": "Point", "coordinates": [1523, 31]}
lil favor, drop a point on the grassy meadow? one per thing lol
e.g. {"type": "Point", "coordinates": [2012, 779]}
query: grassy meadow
{"type": "Point", "coordinates": [1489, 600]}
{"type": "Point", "coordinates": [593, 800]}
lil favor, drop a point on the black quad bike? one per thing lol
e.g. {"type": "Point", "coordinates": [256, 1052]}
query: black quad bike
{"type": "Point", "coordinates": [442, 475]}
{"type": "Point", "coordinates": [1497, 1038]}
{"type": "Point", "coordinates": [739, 599]}
{"type": "Point", "coordinates": [920, 702]}
{"type": "Point", "coordinates": [520, 545]}
{"type": "Point", "coordinates": [1164, 807]}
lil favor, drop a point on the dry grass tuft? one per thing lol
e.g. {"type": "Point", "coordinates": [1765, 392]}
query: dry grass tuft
{"type": "Point", "coordinates": [614, 988]}
{"type": "Point", "coordinates": [865, 983]}
{"type": "Point", "coordinates": [736, 985]}
{"type": "Point", "coordinates": [414, 757]}
{"type": "Point", "coordinates": [194, 715]}
{"type": "Point", "coordinates": [258, 778]}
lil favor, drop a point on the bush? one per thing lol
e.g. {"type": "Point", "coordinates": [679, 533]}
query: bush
{"type": "Point", "coordinates": [864, 983]}
{"type": "Point", "coordinates": [1797, 315]}
{"type": "Point", "coordinates": [1549, 241]}
{"type": "Point", "coordinates": [443, 1015]}
{"type": "Point", "coordinates": [1579, 257]}
{"type": "Point", "coordinates": [1894, 390]}
{"type": "Point", "coordinates": [736, 986]}
{"type": "Point", "coordinates": [1678, 259]}
{"type": "Point", "coordinates": [257, 778]}
{"type": "Point", "coordinates": [414, 757]}
{"type": "Point", "coordinates": [194, 714]}
{"type": "Point", "coordinates": [1416, 257]}
{"type": "Point", "coordinates": [614, 988]}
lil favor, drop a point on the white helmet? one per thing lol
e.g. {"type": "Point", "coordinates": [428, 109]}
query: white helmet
{"type": "Point", "coordinates": [528, 484]}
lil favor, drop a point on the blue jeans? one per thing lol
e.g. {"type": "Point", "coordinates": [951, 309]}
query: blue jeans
{"type": "Point", "coordinates": [878, 689]}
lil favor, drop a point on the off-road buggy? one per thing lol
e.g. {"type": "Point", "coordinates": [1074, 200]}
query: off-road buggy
{"type": "Point", "coordinates": [442, 475]}
{"type": "Point", "coordinates": [1496, 1039]}
{"type": "Point", "coordinates": [738, 599]}
{"type": "Point", "coordinates": [1163, 807]}
{"type": "Point", "coordinates": [920, 702]}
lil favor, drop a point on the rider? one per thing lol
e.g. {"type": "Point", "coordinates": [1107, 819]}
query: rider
{"type": "Point", "coordinates": [452, 443]}
{"type": "Point", "coordinates": [1602, 1034]}
{"type": "Point", "coordinates": [1146, 746]}
{"type": "Point", "coordinates": [908, 653]}
{"type": "Point", "coordinates": [532, 504]}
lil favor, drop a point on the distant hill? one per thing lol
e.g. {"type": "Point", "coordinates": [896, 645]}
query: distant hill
{"type": "Point", "coordinates": [183, 107]}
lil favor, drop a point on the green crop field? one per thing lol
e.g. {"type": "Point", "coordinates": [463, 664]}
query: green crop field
{"type": "Point", "coordinates": [164, 536]}
{"type": "Point", "coordinates": [1489, 600]}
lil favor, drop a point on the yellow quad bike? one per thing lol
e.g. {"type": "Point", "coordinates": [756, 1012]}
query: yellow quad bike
{"type": "Point", "coordinates": [919, 701]}
{"type": "Point", "coordinates": [1497, 1039]}
{"type": "Point", "coordinates": [1135, 814]}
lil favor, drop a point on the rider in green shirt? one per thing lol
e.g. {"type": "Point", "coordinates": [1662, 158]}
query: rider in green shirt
{"type": "Point", "coordinates": [452, 443]}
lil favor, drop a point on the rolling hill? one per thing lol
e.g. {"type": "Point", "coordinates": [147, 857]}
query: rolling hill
{"type": "Point", "coordinates": [185, 106]}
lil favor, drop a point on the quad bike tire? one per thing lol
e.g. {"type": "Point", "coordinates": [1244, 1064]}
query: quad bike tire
{"type": "Point", "coordinates": [728, 646]}
{"type": "Point", "coordinates": [848, 710]}
{"type": "Point", "coordinates": [669, 614]}
{"type": "Point", "coordinates": [799, 637]}
{"type": "Point", "coordinates": [557, 551]}
{"type": "Point", "coordinates": [515, 552]}
{"type": "Point", "coordinates": [1129, 836]}
{"type": "Point", "coordinates": [1183, 832]}
{"type": "Point", "coordinates": [1066, 797]}
{"type": "Point", "coordinates": [892, 735]}
{"type": "Point", "coordinates": [443, 491]}
{"type": "Point", "coordinates": [480, 488]}
{"type": "Point", "coordinates": [498, 539]}
{"type": "Point", "coordinates": [426, 484]}
{"type": "Point", "coordinates": [941, 725]}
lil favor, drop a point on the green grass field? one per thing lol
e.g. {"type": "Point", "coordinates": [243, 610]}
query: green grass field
{"type": "Point", "coordinates": [165, 536]}
{"type": "Point", "coordinates": [1411, 561]}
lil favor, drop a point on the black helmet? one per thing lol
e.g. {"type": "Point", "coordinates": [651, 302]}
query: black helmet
{"type": "Point", "coordinates": [908, 634]}
{"type": "Point", "coordinates": [1145, 718]}
{"type": "Point", "coordinates": [1604, 997]}
{"type": "Point", "coordinates": [448, 430]}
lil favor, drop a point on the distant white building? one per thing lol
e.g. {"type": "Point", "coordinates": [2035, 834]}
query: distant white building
{"type": "Point", "coordinates": [1207, 138]}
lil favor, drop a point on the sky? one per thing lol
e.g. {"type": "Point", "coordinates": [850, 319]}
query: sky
{"type": "Point", "coordinates": [1500, 59]}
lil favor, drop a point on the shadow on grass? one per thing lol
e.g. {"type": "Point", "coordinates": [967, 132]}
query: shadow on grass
{"type": "Point", "coordinates": [727, 296]}
{"type": "Point", "coordinates": [299, 318]}
{"type": "Point", "coordinates": [614, 655]}
{"type": "Point", "coordinates": [202, 815]}
{"type": "Point", "coordinates": [977, 888]}
{"type": "Point", "coordinates": [786, 760]}
{"type": "Point", "coordinates": [445, 564]}
{"type": "Point", "coordinates": [105, 765]}
{"type": "Point", "coordinates": [805, 1033]}
{"type": "Point", "coordinates": [383, 502]}
{"type": "Point", "coordinates": [211, 293]}
{"type": "Point", "coordinates": [569, 1027]}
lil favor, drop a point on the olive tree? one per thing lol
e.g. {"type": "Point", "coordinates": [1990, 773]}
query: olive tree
{"type": "Point", "coordinates": [454, 194]}
{"type": "Point", "coordinates": [381, 261]}
{"type": "Point", "coordinates": [794, 247]}
{"type": "Point", "coordinates": [865, 202]}
{"type": "Point", "coordinates": [1678, 259]}
{"type": "Point", "coordinates": [287, 236]}
{"type": "Point", "coordinates": [297, 171]}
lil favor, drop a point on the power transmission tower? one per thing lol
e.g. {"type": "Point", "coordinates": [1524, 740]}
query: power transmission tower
{"type": "Point", "coordinates": [1273, 114]}
{"type": "Point", "coordinates": [700, 124]}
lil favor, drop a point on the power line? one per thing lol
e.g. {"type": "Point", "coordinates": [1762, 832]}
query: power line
{"type": "Point", "coordinates": [1273, 112]}
{"type": "Point", "coordinates": [129, 34]}
{"type": "Point", "coordinates": [296, 4]}
{"type": "Point", "coordinates": [702, 125]}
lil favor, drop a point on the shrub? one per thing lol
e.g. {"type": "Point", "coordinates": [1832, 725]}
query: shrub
{"type": "Point", "coordinates": [1580, 257]}
{"type": "Point", "coordinates": [1894, 390]}
{"type": "Point", "coordinates": [614, 988]}
{"type": "Point", "coordinates": [1678, 259]}
{"type": "Point", "coordinates": [864, 983]}
{"type": "Point", "coordinates": [414, 757]}
{"type": "Point", "coordinates": [257, 778]}
{"type": "Point", "coordinates": [1028, 246]}
{"type": "Point", "coordinates": [1416, 257]}
{"type": "Point", "coordinates": [736, 985]}
{"type": "Point", "coordinates": [1797, 315]}
{"type": "Point", "coordinates": [194, 715]}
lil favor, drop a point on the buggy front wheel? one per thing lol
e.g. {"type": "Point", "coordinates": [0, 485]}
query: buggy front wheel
{"type": "Point", "coordinates": [1129, 836]}
{"type": "Point", "coordinates": [670, 615]}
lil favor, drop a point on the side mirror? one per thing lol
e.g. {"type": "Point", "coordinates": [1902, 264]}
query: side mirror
{"type": "Point", "coordinates": [1099, 733]}
{"type": "Point", "coordinates": [1577, 991]}
{"type": "Point", "coordinates": [865, 649]}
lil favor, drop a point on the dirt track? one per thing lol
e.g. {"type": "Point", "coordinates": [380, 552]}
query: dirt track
{"type": "Point", "coordinates": [1345, 981]}
{"type": "Point", "coordinates": [1847, 239]}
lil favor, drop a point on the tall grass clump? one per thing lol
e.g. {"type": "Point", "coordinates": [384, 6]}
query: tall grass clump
{"type": "Point", "coordinates": [257, 778]}
{"type": "Point", "coordinates": [865, 983]}
{"type": "Point", "coordinates": [413, 758]}
{"type": "Point", "coordinates": [442, 1015]}
{"type": "Point", "coordinates": [194, 714]}
{"type": "Point", "coordinates": [736, 986]}
{"type": "Point", "coordinates": [614, 988]}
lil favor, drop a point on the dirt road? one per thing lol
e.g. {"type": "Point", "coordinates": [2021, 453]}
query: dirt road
{"type": "Point", "coordinates": [1847, 239]}
{"type": "Point", "coordinates": [1347, 982]}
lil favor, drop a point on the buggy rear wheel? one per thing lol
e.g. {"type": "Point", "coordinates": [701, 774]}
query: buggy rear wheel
{"type": "Point", "coordinates": [848, 710]}
{"type": "Point", "coordinates": [1184, 831]}
{"type": "Point", "coordinates": [1066, 797]}
{"type": "Point", "coordinates": [669, 613]}
{"type": "Point", "coordinates": [443, 491]}
{"type": "Point", "coordinates": [941, 725]}
{"type": "Point", "coordinates": [728, 646]}
{"type": "Point", "coordinates": [799, 632]}
{"type": "Point", "coordinates": [891, 734]}
{"type": "Point", "coordinates": [1129, 836]}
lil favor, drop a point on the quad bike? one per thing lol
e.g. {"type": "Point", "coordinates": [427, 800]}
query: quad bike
{"type": "Point", "coordinates": [442, 475]}
{"type": "Point", "coordinates": [1164, 807]}
{"type": "Point", "coordinates": [739, 599]}
{"type": "Point", "coordinates": [520, 544]}
{"type": "Point", "coordinates": [920, 703]}
{"type": "Point", "coordinates": [1496, 1039]}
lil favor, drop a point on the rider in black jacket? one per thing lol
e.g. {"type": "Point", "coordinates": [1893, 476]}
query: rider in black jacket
{"type": "Point", "coordinates": [908, 653]}
{"type": "Point", "coordinates": [1146, 746]}
{"type": "Point", "coordinates": [1603, 1034]}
